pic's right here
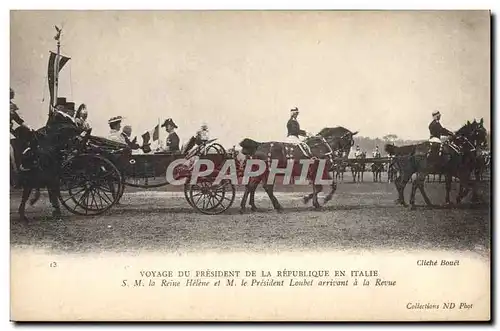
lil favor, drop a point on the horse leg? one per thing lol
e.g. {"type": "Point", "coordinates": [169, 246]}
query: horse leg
{"type": "Point", "coordinates": [462, 192]}
{"type": "Point", "coordinates": [448, 179]}
{"type": "Point", "coordinates": [414, 187]}
{"type": "Point", "coordinates": [54, 201]}
{"type": "Point", "coordinates": [22, 206]}
{"type": "Point", "coordinates": [332, 192]}
{"type": "Point", "coordinates": [269, 190]}
{"type": "Point", "coordinates": [401, 181]}
{"type": "Point", "coordinates": [35, 198]}
{"type": "Point", "coordinates": [253, 188]}
{"type": "Point", "coordinates": [244, 198]}
{"type": "Point", "coordinates": [424, 194]}
{"type": "Point", "coordinates": [473, 184]}
{"type": "Point", "coordinates": [316, 190]}
{"type": "Point", "coordinates": [306, 198]}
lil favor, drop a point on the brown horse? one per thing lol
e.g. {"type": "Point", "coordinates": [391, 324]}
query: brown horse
{"type": "Point", "coordinates": [358, 168]}
{"type": "Point", "coordinates": [40, 157]}
{"type": "Point", "coordinates": [458, 159]}
{"type": "Point", "coordinates": [377, 169]}
{"type": "Point", "coordinates": [323, 147]}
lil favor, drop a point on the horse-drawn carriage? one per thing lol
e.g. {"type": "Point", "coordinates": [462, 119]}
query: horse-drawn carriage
{"type": "Point", "coordinates": [94, 177]}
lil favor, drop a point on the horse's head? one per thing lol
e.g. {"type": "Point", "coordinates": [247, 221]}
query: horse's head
{"type": "Point", "coordinates": [475, 133]}
{"type": "Point", "coordinates": [339, 138]}
{"type": "Point", "coordinates": [25, 136]}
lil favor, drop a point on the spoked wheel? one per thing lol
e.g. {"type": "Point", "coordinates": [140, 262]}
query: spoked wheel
{"type": "Point", "coordinates": [90, 185]}
{"type": "Point", "coordinates": [187, 187]}
{"type": "Point", "coordinates": [209, 198]}
{"type": "Point", "coordinates": [215, 149]}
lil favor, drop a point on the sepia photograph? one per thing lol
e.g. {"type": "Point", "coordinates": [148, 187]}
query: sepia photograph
{"type": "Point", "coordinates": [250, 165]}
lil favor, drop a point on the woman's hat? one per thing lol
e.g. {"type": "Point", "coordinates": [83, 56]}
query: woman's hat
{"type": "Point", "coordinates": [115, 119]}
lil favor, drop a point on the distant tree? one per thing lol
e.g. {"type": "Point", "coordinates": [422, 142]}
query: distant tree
{"type": "Point", "coordinates": [390, 137]}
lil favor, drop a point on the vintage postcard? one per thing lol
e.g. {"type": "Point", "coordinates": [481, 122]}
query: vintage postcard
{"type": "Point", "coordinates": [250, 165]}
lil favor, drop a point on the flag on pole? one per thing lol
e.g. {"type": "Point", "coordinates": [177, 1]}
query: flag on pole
{"type": "Point", "coordinates": [52, 72]}
{"type": "Point", "coordinates": [156, 133]}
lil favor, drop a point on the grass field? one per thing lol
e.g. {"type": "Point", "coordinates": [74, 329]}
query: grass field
{"type": "Point", "coordinates": [361, 216]}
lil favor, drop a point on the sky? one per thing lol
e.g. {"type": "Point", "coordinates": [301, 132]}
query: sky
{"type": "Point", "coordinates": [381, 72]}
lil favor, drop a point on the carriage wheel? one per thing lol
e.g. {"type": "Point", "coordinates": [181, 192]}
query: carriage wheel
{"type": "Point", "coordinates": [90, 185]}
{"type": "Point", "coordinates": [217, 148]}
{"type": "Point", "coordinates": [120, 194]}
{"type": "Point", "coordinates": [212, 199]}
{"type": "Point", "coordinates": [186, 193]}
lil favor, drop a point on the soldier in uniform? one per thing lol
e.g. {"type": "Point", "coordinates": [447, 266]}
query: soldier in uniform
{"type": "Point", "coordinates": [376, 153]}
{"type": "Point", "coordinates": [357, 153]}
{"type": "Point", "coordinates": [115, 124]}
{"type": "Point", "coordinates": [294, 131]}
{"type": "Point", "coordinates": [436, 131]}
{"type": "Point", "coordinates": [293, 127]}
{"type": "Point", "coordinates": [173, 141]}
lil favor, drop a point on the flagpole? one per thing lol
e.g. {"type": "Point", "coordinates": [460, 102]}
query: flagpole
{"type": "Point", "coordinates": [56, 69]}
{"type": "Point", "coordinates": [159, 134]}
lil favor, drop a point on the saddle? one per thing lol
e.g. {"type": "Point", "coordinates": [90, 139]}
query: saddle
{"type": "Point", "coordinates": [437, 147]}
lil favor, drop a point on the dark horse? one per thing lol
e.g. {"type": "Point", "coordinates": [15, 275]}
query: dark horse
{"type": "Point", "coordinates": [358, 168]}
{"type": "Point", "coordinates": [40, 157]}
{"type": "Point", "coordinates": [377, 169]}
{"type": "Point", "coordinates": [323, 146]}
{"type": "Point", "coordinates": [458, 159]}
{"type": "Point", "coordinates": [339, 169]}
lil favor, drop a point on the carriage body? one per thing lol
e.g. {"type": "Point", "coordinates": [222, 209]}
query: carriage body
{"type": "Point", "coordinates": [104, 168]}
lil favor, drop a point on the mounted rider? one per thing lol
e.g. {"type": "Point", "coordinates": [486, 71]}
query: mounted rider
{"type": "Point", "coordinates": [376, 153]}
{"type": "Point", "coordinates": [437, 131]}
{"type": "Point", "coordinates": [358, 154]}
{"type": "Point", "coordinates": [14, 115]}
{"type": "Point", "coordinates": [294, 132]}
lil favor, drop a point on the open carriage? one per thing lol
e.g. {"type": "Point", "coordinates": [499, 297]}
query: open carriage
{"type": "Point", "coordinates": [95, 170]}
{"type": "Point", "coordinates": [93, 180]}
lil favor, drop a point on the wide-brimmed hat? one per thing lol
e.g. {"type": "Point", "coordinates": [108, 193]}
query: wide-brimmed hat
{"type": "Point", "coordinates": [115, 119]}
{"type": "Point", "coordinates": [169, 121]}
{"type": "Point", "coordinates": [435, 113]}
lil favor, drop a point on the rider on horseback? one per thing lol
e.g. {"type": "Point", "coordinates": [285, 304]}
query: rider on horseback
{"type": "Point", "coordinates": [436, 131]}
{"type": "Point", "coordinates": [294, 132]}
{"type": "Point", "coordinates": [358, 153]}
{"type": "Point", "coordinates": [14, 116]}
